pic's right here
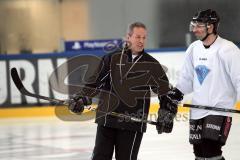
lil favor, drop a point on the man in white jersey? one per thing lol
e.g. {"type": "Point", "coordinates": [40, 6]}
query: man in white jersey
{"type": "Point", "coordinates": [211, 71]}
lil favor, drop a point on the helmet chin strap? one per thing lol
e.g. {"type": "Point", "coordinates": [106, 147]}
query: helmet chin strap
{"type": "Point", "coordinates": [204, 38]}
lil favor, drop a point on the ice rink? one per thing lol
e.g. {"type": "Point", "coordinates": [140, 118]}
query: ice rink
{"type": "Point", "coordinates": [53, 139]}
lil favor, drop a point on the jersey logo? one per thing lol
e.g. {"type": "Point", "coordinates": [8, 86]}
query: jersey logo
{"type": "Point", "coordinates": [202, 72]}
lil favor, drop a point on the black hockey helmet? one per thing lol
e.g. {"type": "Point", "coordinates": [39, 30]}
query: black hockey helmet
{"type": "Point", "coordinates": [208, 17]}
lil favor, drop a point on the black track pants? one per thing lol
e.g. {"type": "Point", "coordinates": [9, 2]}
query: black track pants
{"type": "Point", "coordinates": [126, 144]}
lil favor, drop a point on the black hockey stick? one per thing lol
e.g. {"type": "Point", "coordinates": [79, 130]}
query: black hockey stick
{"type": "Point", "coordinates": [211, 108]}
{"type": "Point", "coordinates": [18, 83]}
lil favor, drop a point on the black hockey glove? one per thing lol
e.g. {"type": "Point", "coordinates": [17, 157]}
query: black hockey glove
{"type": "Point", "coordinates": [168, 110]}
{"type": "Point", "coordinates": [77, 103]}
{"type": "Point", "coordinates": [165, 121]}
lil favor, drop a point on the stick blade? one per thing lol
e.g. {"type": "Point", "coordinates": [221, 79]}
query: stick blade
{"type": "Point", "coordinates": [18, 83]}
{"type": "Point", "coordinates": [16, 79]}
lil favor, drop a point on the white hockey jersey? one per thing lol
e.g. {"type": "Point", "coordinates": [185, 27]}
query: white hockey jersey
{"type": "Point", "coordinates": [212, 74]}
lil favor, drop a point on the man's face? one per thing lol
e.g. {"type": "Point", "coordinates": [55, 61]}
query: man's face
{"type": "Point", "coordinates": [137, 40]}
{"type": "Point", "coordinates": [199, 29]}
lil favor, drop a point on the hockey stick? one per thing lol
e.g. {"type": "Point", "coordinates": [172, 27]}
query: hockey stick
{"type": "Point", "coordinates": [211, 108]}
{"type": "Point", "coordinates": [17, 81]}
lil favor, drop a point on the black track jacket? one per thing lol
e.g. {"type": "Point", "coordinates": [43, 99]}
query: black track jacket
{"type": "Point", "coordinates": [123, 86]}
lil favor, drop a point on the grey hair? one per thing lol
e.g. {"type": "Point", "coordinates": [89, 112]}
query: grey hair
{"type": "Point", "coordinates": [134, 25]}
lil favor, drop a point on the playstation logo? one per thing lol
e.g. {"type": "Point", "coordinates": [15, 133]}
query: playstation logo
{"type": "Point", "coordinates": [76, 46]}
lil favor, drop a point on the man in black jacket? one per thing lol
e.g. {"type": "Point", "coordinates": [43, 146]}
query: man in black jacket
{"type": "Point", "coordinates": [123, 82]}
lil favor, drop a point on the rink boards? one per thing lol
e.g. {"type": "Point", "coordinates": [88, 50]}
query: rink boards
{"type": "Point", "coordinates": [36, 70]}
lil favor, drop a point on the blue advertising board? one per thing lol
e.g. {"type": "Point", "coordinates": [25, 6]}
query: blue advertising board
{"type": "Point", "coordinates": [106, 44]}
